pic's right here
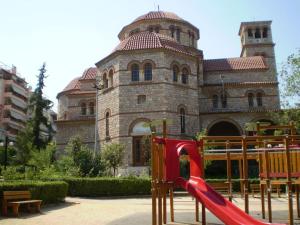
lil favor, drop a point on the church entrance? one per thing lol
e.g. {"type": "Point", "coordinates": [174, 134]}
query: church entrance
{"type": "Point", "coordinates": [224, 128]}
{"type": "Point", "coordinates": [217, 169]}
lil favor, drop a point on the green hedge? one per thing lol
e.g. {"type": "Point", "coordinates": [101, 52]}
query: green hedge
{"type": "Point", "coordinates": [48, 191]}
{"type": "Point", "coordinates": [99, 187]}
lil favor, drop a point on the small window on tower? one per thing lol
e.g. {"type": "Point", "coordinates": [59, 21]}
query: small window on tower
{"type": "Point", "coordinates": [265, 32]}
{"type": "Point", "coordinates": [257, 33]}
{"type": "Point", "coordinates": [250, 34]}
{"type": "Point", "coordinates": [141, 99]}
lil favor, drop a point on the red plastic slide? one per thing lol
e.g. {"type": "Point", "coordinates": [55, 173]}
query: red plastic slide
{"type": "Point", "coordinates": [227, 212]}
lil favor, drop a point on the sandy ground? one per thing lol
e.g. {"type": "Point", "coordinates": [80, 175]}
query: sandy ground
{"type": "Point", "coordinates": [131, 211]}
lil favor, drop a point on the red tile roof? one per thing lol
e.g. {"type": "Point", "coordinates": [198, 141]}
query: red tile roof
{"type": "Point", "coordinates": [151, 40]}
{"type": "Point", "coordinates": [73, 85]}
{"type": "Point", "coordinates": [89, 74]}
{"type": "Point", "coordinates": [243, 63]}
{"type": "Point", "coordinates": [158, 15]}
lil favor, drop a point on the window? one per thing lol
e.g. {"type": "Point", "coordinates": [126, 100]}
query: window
{"type": "Point", "coordinates": [215, 101]}
{"type": "Point", "coordinates": [251, 99]}
{"type": "Point", "coordinates": [257, 33]}
{"type": "Point", "coordinates": [91, 108]}
{"type": "Point", "coordinates": [148, 71]}
{"type": "Point", "coordinates": [265, 32]}
{"type": "Point", "coordinates": [135, 73]}
{"type": "Point", "coordinates": [182, 120]}
{"type": "Point", "coordinates": [150, 29]}
{"type": "Point", "coordinates": [184, 78]}
{"type": "Point", "coordinates": [193, 39]}
{"type": "Point", "coordinates": [138, 149]}
{"type": "Point", "coordinates": [172, 29]}
{"type": "Point", "coordinates": [83, 108]}
{"type": "Point", "coordinates": [250, 34]}
{"type": "Point", "coordinates": [156, 29]}
{"type": "Point", "coordinates": [141, 99]}
{"type": "Point", "coordinates": [111, 78]}
{"type": "Point", "coordinates": [175, 73]}
{"type": "Point", "coordinates": [259, 99]}
{"type": "Point", "coordinates": [105, 81]}
{"type": "Point", "coordinates": [178, 34]}
{"type": "Point", "coordinates": [107, 124]}
{"type": "Point", "coordinates": [224, 100]}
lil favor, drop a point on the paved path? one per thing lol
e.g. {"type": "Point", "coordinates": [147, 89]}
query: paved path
{"type": "Point", "coordinates": [128, 211]}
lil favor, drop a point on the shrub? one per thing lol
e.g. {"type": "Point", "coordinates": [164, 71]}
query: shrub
{"type": "Point", "coordinates": [112, 155]}
{"type": "Point", "coordinates": [49, 191]}
{"type": "Point", "coordinates": [97, 187]}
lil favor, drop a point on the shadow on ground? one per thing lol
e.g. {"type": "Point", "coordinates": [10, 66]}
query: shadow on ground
{"type": "Point", "coordinates": [45, 209]}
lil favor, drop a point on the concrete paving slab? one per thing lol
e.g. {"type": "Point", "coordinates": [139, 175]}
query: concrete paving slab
{"type": "Point", "coordinates": [131, 211]}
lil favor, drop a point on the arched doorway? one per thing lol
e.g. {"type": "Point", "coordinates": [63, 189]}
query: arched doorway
{"type": "Point", "coordinates": [140, 146]}
{"type": "Point", "coordinates": [217, 169]}
{"type": "Point", "coordinates": [224, 128]}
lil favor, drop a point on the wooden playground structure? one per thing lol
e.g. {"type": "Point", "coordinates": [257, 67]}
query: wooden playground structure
{"type": "Point", "coordinates": [278, 160]}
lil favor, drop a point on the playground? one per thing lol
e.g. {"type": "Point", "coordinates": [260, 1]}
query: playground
{"type": "Point", "coordinates": [278, 162]}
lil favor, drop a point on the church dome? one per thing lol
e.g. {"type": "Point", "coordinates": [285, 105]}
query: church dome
{"type": "Point", "coordinates": [161, 20]}
{"type": "Point", "coordinates": [158, 15]}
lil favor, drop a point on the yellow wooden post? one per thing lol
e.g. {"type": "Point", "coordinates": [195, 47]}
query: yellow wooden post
{"type": "Point", "coordinates": [171, 203]}
{"type": "Point", "coordinates": [164, 185]}
{"type": "Point", "coordinates": [268, 183]}
{"type": "Point", "coordinates": [196, 210]}
{"type": "Point", "coordinates": [203, 214]}
{"type": "Point", "coordinates": [245, 173]}
{"type": "Point", "coordinates": [262, 187]}
{"type": "Point", "coordinates": [229, 170]}
{"type": "Point", "coordinates": [153, 180]}
{"type": "Point", "coordinates": [289, 180]}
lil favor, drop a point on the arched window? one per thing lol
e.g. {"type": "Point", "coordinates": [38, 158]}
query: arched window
{"type": "Point", "coordinates": [178, 34]}
{"type": "Point", "coordinates": [105, 80]}
{"type": "Point", "coordinates": [250, 99]}
{"type": "Point", "coordinates": [193, 39]}
{"type": "Point", "coordinates": [135, 72]}
{"type": "Point", "coordinates": [265, 32]}
{"type": "Point", "coordinates": [148, 71]}
{"type": "Point", "coordinates": [83, 108]}
{"type": "Point", "coordinates": [259, 99]}
{"type": "Point", "coordinates": [184, 77]}
{"type": "Point", "coordinates": [182, 120]}
{"type": "Point", "coordinates": [111, 78]}
{"type": "Point", "coordinates": [150, 29]}
{"type": "Point", "coordinates": [215, 101]}
{"type": "Point", "coordinates": [250, 34]}
{"type": "Point", "coordinates": [224, 100]}
{"type": "Point", "coordinates": [172, 29]}
{"type": "Point", "coordinates": [175, 73]}
{"type": "Point", "coordinates": [257, 33]}
{"type": "Point", "coordinates": [107, 124]}
{"type": "Point", "coordinates": [92, 108]}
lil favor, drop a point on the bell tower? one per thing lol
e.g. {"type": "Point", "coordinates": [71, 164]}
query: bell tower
{"type": "Point", "coordinates": [256, 40]}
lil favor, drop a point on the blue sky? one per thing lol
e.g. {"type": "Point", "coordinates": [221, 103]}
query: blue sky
{"type": "Point", "coordinates": [71, 36]}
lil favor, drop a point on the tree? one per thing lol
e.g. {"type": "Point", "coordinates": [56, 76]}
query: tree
{"type": "Point", "coordinates": [290, 80]}
{"type": "Point", "coordinates": [113, 154]}
{"type": "Point", "coordinates": [81, 157]}
{"type": "Point", "coordinates": [37, 105]}
{"type": "Point", "coordinates": [24, 144]}
{"type": "Point", "coordinates": [290, 92]}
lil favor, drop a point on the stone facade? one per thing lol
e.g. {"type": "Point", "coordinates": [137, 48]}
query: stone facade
{"type": "Point", "coordinates": [76, 110]}
{"type": "Point", "coordinates": [157, 72]}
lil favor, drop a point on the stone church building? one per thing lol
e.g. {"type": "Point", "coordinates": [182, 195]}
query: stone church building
{"type": "Point", "coordinates": [157, 71]}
